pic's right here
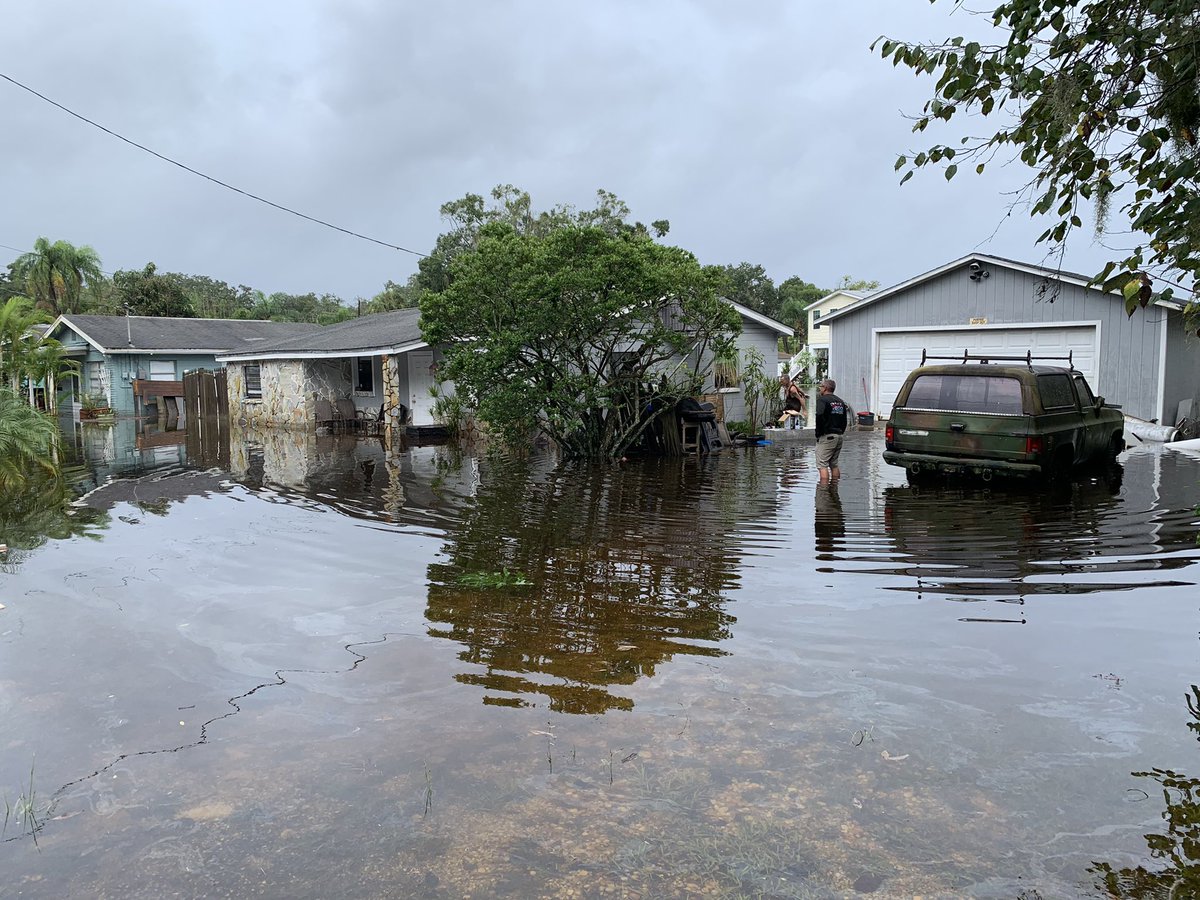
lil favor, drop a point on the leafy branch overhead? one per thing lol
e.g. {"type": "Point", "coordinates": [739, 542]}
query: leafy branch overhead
{"type": "Point", "coordinates": [1100, 98]}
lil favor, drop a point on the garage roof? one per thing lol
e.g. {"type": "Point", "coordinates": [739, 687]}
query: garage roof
{"type": "Point", "coordinates": [1050, 274]}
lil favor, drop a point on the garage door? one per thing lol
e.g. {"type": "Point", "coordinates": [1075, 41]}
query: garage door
{"type": "Point", "coordinates": [900, 351]}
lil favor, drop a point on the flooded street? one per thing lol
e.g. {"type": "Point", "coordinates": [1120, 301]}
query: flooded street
{"type": "Point", "coordinates": [304, 667]}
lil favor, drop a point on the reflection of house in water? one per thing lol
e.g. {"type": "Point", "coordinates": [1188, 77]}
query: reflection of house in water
{"type": "Point", "coordinates": [625, 570]}
{"type": "Point", "coordinates": [357, 477]}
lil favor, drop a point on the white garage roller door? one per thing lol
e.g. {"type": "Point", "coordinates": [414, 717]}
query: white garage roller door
{"type": "Point", "coordinates": [899, 352]}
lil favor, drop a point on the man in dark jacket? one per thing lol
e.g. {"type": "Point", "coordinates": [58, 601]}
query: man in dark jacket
{"type": "Point", "coordinates": [831, 418]}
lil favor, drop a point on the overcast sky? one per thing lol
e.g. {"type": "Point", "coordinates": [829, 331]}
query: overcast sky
{"type": "Point", "coordinates": [765, 132]}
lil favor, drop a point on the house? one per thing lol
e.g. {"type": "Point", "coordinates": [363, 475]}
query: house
{"type": "Point", "coordinates": [760, 333]}
{"type": "Point", "coordinates": [118, 355]}
{"type": "Point", "coordinates": [818, 334]}
{"type": "Point", "coordinates": [1146, 363]}
{"type": "Point", "coordinates": [380, 362]}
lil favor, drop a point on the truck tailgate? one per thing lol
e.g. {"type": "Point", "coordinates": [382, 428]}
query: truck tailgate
{"type": "Point", "coordinates": [967, 435]}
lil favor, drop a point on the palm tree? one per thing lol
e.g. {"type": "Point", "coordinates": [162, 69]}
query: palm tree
{"type": "Point", "coordinates": [28, 440]}
{"type": "Point", "coordinates": [47, 362]}
{"type": "Point", "coordinates": [17, 318]}
{"type": "Point", "coordinates": [55, 274]}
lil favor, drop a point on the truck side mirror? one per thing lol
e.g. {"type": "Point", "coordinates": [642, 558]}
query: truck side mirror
{"type": "Point", "coordinates": [1099, 402]}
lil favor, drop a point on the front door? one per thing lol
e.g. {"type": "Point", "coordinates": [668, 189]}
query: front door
{"type": "Point", "coordinates": [421, 381]}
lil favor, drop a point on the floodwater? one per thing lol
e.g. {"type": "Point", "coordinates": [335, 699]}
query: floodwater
{"type": "Point", "coordinates": [304, 667]}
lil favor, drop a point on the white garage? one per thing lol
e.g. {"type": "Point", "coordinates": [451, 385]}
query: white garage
{"type": "Point", "coordinates": [983, 304]}
{"type": "Point", "coordinates": [898, 352]}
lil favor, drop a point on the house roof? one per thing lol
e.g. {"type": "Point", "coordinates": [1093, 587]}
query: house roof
{"type": "Point", "coordinates": [374, 335]}
{"type": "Point", "coordinates": [160, 334]}
{"type": "Point", "coordinates": [755, 316]}
{"type": "Point", "coordinates": [1052, 274]}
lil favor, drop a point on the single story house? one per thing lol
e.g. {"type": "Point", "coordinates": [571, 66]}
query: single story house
{"type": "Point", "coordinates": [379, 361]}
{"type": "Point", "coordinates": [116, 353]}
{"type": "Point", "coordinates": [382, 360]}
{"type": "Point", "coordinates": [1146, 363]}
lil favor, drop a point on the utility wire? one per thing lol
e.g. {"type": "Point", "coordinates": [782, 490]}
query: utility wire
{"type": "Point", "coordinates": [223, 184]}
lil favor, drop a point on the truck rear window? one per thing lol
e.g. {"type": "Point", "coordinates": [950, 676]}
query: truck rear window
{"type": "Point", "coordinates": [967, 393]}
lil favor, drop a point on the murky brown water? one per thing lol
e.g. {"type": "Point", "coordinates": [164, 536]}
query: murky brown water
{"type": "Point", "coordinates": [285, 673]}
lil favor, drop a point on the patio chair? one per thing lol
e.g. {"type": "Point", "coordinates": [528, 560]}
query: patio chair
{"type": "Point", "coordinates": [324, 414]}
{"type": "Point", "coordinates": [348, 416]}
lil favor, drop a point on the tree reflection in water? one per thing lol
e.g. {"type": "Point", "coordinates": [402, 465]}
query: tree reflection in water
{"type": "Point", "coordinates": [626, 569]}
{"type": "Point", "coordinates": [1178, 849]}
{"type": "Point", "coordinates": [39, 510]}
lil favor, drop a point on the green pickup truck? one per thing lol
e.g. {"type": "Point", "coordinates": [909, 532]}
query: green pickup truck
{"type": "Point", "coordinates": [987, 419]}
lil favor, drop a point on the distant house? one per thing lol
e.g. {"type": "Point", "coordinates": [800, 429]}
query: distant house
{"type": "Point", "coordinates": [117, 352]}
{"type": "Point", "coordinates": [380, 362]}
{"type": "Point", "coordinates": [760, 333]}
{"type": "Point", "coordinates": [818, 334]}
{"type": "Point", "coordinates": [385, 367]}
{"type": "Point", "coordinates": [986, 304]}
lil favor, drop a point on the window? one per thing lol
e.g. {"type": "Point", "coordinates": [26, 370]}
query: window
{"type": "Point", "coordinates": [1086, 397]}
{"type": "Point", "coordinates": [967, 393]}
{"type": "Point", "coordinates": [1056, 392]}
{"type": "Point", "coordinates": [162, 370]}
{"type": "Point", "coordinates": [816, 315]}
{"type": "Point", "coordinates": [364, 375]}
{"type": "Point", "coordinates": [253, 376]}
{"type": "Point", "coordinates": [97, 379]}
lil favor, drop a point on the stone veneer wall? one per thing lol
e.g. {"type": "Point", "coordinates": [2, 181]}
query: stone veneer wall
{"type": "Point", "coordinates": [287, 395]}
{"type": "Point", "coordinates": [393, 426]}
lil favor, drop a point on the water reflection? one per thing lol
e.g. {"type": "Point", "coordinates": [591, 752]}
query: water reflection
{"type": "Point", "coordinates": [625, 569]}
{"type": "Point", "coordinates": [1176, 851]}
{"type": "Point", "coordinates": [974, 545]}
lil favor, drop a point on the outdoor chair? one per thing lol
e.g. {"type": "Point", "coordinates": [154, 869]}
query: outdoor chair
{"type": "Point", "coordinates": [348, 416]}
{"type": "Point", "coordinates": [325, 416]}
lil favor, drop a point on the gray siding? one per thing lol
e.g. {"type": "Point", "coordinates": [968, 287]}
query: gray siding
{"type": "Point", "coordinates": [753, 337]}
{"type": "Point", "coordinates": [1182, 380]}
{"type": "Point", "coordinates": [1129, 347]}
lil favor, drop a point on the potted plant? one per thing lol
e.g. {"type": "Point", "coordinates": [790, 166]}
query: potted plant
{"type": "Point", "coordinates": [93, 407]}
{"type": "Point", "coordinates": [756, 388]}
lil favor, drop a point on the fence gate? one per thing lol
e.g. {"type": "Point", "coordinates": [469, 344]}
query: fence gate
{"type": "Point", "coordinates": [206, 405]}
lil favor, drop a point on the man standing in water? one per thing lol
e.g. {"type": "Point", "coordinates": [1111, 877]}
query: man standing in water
{"type": "Point", "coordinates": [831, 425]}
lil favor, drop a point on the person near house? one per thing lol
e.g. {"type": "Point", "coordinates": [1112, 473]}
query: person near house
{"type": "Point", "coordinates": [795, 404]}
{"type": "Point", "coordinates": [831, 418]}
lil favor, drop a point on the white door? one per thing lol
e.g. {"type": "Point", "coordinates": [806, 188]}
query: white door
{"type": "Point", "coordinates": [899, 352]}
{"type": "Point", "coordinates": [421, 380]}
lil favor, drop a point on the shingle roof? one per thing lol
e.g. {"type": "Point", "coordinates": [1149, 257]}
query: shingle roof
{"type": "Point", "coordinates": [114, 334]}
{"type": "Point", "coordinates": [364, 335]}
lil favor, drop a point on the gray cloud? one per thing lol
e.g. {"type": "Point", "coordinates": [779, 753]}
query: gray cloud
{"type": "Point", "coordinates": [764, 132]}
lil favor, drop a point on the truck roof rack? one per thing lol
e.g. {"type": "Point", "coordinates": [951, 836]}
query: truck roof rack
{"type": "Point", "coordinates": [1028, 358]}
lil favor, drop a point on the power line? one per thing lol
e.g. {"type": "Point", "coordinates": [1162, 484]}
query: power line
{"type": "Point", "coordinates": [223, 184]}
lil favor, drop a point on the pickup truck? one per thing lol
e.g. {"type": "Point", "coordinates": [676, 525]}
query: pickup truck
{"type": "Point", "coordinates": [987, 419]}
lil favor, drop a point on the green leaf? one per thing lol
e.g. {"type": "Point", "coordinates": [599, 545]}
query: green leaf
{"type": "Point", "coordinates": [950, 171]}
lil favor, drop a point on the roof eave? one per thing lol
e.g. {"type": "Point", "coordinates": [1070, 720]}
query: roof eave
{"type": "Point", "coordinates": [755, 316]}
{"type": "Point", "coordinates": [322, 354]}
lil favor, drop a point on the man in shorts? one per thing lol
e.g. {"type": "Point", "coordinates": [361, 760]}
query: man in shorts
{"type": "Point", "coordinates": [831, 419]}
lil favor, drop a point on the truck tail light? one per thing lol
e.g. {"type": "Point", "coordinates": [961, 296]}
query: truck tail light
{"type": "Point", "coordinates": [1034, 445]}
{"type": "Point", "coordinates": [889, 432]}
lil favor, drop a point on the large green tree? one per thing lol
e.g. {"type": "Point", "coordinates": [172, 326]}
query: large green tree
{"type": "Point", "coordinates": [396, 296]}
{"type": "Point", "coordinates": [1102, 99]}
{"type": "Point", "coordinates": [748, 284]}
{"type": "Point", "coordinates": [322, 309]}
{"type": "Point", "coordinates": [512, 206]}
{"type": "Point", "coordinates": [147, 293]}
{"type": "Point", "coordinates": [210, 298]}
{"type": "Point", "coordinates": [55, 274]}
{"type": "Point", "coordinates": [585, 333]}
